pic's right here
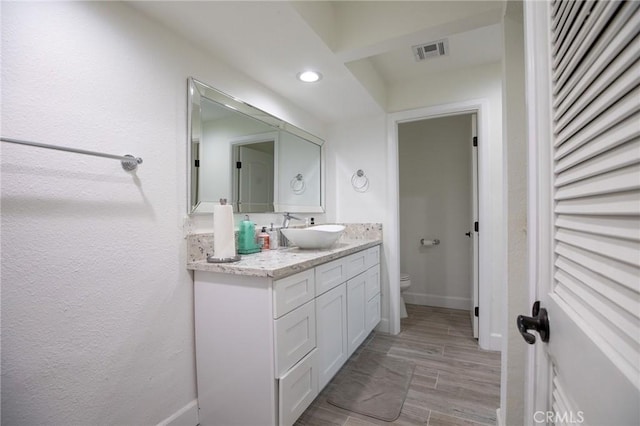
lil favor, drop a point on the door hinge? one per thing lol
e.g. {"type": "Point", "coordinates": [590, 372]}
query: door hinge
{"type": "Point", "coordinates": [238, 164]}
{"type": "Point", "coordinates": [197, 163]}
{"type": "Point", "coordinates": [475, 141]}
{"type": "Point", "coordinates": [476, 227]}
{"type": "Point", "coordinates": [476, 311]}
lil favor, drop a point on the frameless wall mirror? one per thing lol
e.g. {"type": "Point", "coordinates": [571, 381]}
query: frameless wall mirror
{"type": "Point", "coordinates": [258, 162]}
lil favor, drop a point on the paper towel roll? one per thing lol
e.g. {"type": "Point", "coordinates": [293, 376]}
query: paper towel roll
{"type": "Point", "coordinates": [224, 237]}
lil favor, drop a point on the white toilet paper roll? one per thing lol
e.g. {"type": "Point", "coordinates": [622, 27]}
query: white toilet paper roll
{"type": "Point", "coordinates": [224, 238]}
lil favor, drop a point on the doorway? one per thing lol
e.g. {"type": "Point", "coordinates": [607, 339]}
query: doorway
{"type": "Point", "coordinates": [490, 213]}
{"type": "Point", "coordinates": [253, 175]}
{"type": "Point", "coordinates": [438, 207]}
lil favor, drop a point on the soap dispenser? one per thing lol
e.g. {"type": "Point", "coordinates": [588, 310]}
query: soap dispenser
{"type": "Point", "coordinates": [274, 241]}
{"type": "Point", "coordinates": [263, 239]}
{"type": "Point", "coordinates": [247, 237]}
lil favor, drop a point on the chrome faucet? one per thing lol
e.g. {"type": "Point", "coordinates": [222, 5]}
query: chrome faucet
{"type": "Point", "coordinates": [285, 224]}
{"type": "Point", "coordinates": [287, 218]}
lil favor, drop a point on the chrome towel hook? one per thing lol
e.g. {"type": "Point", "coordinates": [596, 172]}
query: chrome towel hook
{"type": "Point", "coordinates": [297, 184]}
{"type": "Point", "coordinates": [360, 181]}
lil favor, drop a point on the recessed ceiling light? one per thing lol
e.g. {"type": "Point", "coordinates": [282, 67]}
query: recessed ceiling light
{"type": "Point", "coordinates": [309, 76]}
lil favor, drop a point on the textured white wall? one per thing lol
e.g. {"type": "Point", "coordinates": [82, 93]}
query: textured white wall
{"type": "Point", "coordinates": [357, 144]}
{"type": "Point", "coordinates": [435, 202]}
{"type": "Point", "coordinates": [97, 306]}
{"type": "Point", "coordinates": [353, 145]}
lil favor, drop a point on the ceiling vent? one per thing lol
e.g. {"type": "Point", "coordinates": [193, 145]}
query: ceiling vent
{"type": "Point", "coordinates": [431, 50]}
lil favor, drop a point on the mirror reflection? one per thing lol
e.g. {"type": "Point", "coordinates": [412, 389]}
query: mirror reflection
{"type": "Point", "coordinates": [253, 177]}
{"type": "Point", "coordinates": [258, 162]}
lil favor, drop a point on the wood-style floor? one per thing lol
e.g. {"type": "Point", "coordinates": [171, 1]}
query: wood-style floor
{"type": "Point", "coordinates": [454, 381]}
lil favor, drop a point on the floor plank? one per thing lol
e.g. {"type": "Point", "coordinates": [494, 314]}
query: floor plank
{"type": "Point", "coordinates": [455, 383]}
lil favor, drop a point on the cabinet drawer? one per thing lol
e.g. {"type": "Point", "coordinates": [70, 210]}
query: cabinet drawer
{"type": "Point", "coordinates": [373, 282]}
{"type": "Point", "coordinates": [373, 256]}
{"type": "Point", "coordinates": [373, 313]}
{"type": "Point", "coordinates": [295, 336]}
{"type": "Point", "coordinates": [329, 275]}
{"type": "Point", "coordinates": [297, 389]}
{"type": "Point", "coordinates": [293, 291]}
{"type": "Point", "coordinates": [356, 263]}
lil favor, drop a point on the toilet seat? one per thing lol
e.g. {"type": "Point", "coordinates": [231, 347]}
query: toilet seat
{"type": "Point", "coordinates": [405, 281]}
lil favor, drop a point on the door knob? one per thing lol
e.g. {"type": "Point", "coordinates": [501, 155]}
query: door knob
{"type": "Point", "coordinates": [538, 321]}
{"type": "Point", "coordinates": [468, 234]}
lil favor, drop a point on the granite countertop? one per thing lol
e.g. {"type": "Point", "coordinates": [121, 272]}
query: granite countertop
{"type": "Point", "coordinates": [285, 261]}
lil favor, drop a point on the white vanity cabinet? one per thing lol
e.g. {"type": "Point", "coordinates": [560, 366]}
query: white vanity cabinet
{"type": "Point", "coordinates": [331, 318]}
{"type": "Point", "coordinates": [372, 292]}
{"type": "Point", "coordinates": [346, 314]}
{"type": "Point", "coordinates": [356, 308]}
{"type": "Point", "coordinates": [372, 296]}
{"type": "Point", "coordinates": [363, 296]}
{"type": "Point", "coordinates": [331, 323]}
{"type": "Point", "coordinates": [266, 347]}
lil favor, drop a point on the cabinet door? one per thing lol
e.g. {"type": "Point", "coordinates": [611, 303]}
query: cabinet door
{"type": "Point", "coordinates": [331, 330]}
{"type": "Point", "coordinates": [297, 389]}
{"type": "Point", "coordinates": [373, 313]}
{"type": "Point", "coordinates": [356, 308]}
{"type": "Point", "coordinates": [373, 282]}
{"type": "Point", "coordinates": [295, 336]}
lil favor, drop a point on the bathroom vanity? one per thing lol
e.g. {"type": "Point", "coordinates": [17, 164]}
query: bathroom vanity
{"type": "Point", "coordinates": [274, 328]}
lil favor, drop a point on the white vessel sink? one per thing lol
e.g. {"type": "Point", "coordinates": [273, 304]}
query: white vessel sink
{"type": "Point", "coordinates": [315, 237]}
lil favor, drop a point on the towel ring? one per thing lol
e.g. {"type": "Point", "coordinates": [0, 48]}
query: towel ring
{"type": "Point", "coordinates": [360, 181]}
{"type": "Point", "coordinates": [297, 184]}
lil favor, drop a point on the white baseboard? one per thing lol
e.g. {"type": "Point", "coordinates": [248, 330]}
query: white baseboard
{"type": "Point", "coordinates": [383, 326]}
{"type": "Point", "coordinates": [186, 416]}
{"type": "Point", "coordinates": [500, 420]}
{"type": "Point", "coordinates": [440, 301]}
{"type": "Point", "coordinates": [495, 342]}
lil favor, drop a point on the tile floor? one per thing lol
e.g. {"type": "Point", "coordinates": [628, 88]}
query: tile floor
{"type": "Point", "coordinates": [454, 381]}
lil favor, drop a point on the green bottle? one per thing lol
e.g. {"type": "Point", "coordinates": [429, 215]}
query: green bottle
{"type": "Point", "coordinates": [247, 237]}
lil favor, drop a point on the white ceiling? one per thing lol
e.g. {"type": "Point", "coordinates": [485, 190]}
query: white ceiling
{"type": "Point", "coordinates": [475, 47]}
{"type": "Point", "coordinates": [272, 41]}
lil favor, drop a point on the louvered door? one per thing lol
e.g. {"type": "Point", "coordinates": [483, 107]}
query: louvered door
{"type": "Point", "coordinates": [591, 275]}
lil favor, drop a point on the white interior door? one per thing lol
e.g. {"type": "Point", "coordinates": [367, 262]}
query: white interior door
{"type": "Point", "coordinates": [475, 284]}
{"type": "Point", "coordinates": [584, 136]}
{"type": "Point", "coordinates": [255, 180]}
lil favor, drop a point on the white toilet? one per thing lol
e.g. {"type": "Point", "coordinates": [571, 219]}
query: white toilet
{"type": "Point", "coordinates": [405, 283]}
